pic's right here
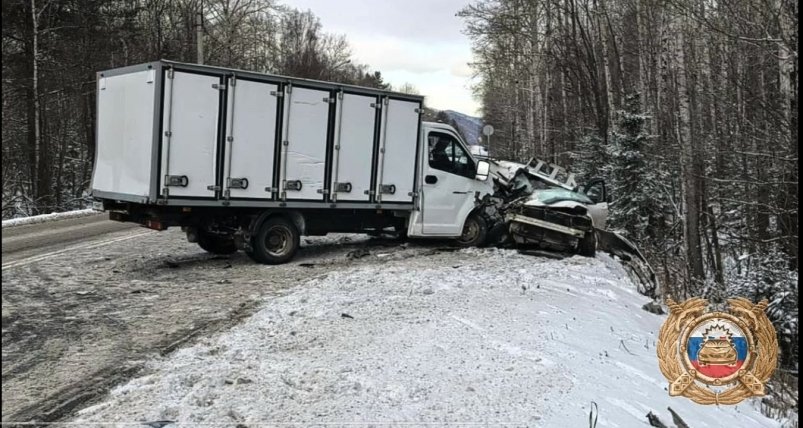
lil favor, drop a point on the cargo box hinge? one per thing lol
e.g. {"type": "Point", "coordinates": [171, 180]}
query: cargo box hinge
{"type": "Point", "coordinates": [219, 87]}
{"type": "Point", "coordinates": [277, 94]}
{"type": "Point", "coordinates": [213, 188]}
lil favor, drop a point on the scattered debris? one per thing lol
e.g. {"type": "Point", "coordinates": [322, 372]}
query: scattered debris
{"type": "Point", "coordinates": [358, 253]}
{"type": "Point", "coordinates": [679, 422]}
{"type": "Point", "coordinates": [653, 307]}
{"type": "Point", "coordinates": [171, 264]}
{"type": "Point", "coordinates": [345, 315]}
{"type": "Point", "coordinates": [654, 421]}
{"type": "Point", "coordinates": [158, 424]}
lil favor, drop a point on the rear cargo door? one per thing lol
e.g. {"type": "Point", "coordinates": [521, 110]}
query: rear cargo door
{"type": "Point", "coordinates": [251, 113]}
{"type": "Point", "coordinates": [397, 153]}
{"type": "Point", "coordinates": [353, 147]}
{"type": "Point", "coordinates": [305, 127]}
{"type": "Point", "coordinates": [189, 138]}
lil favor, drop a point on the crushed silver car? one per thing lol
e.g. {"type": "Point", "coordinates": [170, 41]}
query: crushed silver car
{"type": "Point", "coordinates": [539, 205]}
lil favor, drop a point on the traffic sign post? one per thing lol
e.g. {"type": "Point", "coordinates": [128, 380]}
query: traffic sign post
{"type": "Point", "coordinates": [488, 130]}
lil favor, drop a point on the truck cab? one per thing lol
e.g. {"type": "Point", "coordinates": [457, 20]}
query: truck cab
{"type": "Point", "coordinates": [450, 181]}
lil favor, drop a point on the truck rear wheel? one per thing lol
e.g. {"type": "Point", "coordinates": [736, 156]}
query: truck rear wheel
{"type": "Point", "coordinates": [216, 244]}
{"type": "Point", "coordinates": [588, 245]}
{"type": "Point", "coordinates": [276, 242]}
{"type": "Point", "coordinates": [475, 231]}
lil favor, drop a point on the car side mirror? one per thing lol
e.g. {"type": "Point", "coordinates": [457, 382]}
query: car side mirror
{"type": "Point", "coordinates": [483, 168]}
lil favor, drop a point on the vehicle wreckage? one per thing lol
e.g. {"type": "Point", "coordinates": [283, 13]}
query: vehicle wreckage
{"type": "Point", "coordinates": [539, 206]}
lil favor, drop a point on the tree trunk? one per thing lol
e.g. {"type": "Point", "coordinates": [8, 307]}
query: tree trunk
{"type": "Point", "coordinates": [691, 183]}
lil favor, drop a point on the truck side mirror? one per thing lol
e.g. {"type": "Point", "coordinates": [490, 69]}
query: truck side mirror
{"type": "Point", "coordinates": [483, 168]}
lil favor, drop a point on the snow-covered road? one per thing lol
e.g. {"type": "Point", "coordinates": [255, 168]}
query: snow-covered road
{"type": "Point", "coordinates": [470, 336]}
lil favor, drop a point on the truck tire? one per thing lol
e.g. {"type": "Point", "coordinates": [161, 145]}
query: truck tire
{"type": "Point", "coordinates": [587, 246]}
{"type": "Point", "coordinates": [276, 241]}
{"type": "Point", "coordinates": [216, 244]}
{"type": "Point", "coordinates": [475, 231]}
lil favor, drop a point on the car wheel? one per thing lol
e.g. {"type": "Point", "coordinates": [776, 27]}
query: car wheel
{"type": "Point", "coordinates": [276, 241]}
{"type": "Point", "coordinates": [475, 230]}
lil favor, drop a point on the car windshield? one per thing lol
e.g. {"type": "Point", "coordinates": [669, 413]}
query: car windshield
{"type": "Point", "coordinates": [549, 196]}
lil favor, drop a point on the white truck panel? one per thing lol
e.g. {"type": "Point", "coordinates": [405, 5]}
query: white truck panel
{"type": "Point", "coordinates": [125, 134]}
{"type": "Point", "coordinates": [191, 116]}
{"type": "Point", "coordinates": [352, 162]}
{"type": "Point", "coordinates": [251, 111]}
{"type": "Point", "coordinates": [397, 164]}
{"type": "Point", "coordinates": [306, 122]}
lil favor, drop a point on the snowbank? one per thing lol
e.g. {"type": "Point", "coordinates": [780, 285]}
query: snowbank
{"type": "Point", "coordinates": [474, 336]}
{"type": "Point", "coordinates": [47, 217]}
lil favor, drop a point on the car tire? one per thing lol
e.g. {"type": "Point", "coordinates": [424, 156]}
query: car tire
{"type": "Point", "coordinates": [475, 232]}
{"type": "Point", "coordinates": [216, 244]}
{"type": "Point", "coordinates": [276, 241]}
{"type": "Point", "coordinates": [587, 246]}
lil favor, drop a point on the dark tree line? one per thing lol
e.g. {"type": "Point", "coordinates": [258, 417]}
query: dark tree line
{"type": "Point", "coordinates": [53, 48]}
{"type": "Point", "coordinates": [688, 108]}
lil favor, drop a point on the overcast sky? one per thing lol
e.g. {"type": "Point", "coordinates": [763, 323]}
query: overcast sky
{"type": "Point", "coordinates": [414, 41]}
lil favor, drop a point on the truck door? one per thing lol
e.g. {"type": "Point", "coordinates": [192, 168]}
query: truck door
{"type": "Point", "coordinates": [449, 184]}
{"type": "Point", "coordinates": [189, 141]}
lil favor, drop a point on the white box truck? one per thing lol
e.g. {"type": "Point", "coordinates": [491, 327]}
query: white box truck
{"type": "Point", "coordinates": [252, 161]}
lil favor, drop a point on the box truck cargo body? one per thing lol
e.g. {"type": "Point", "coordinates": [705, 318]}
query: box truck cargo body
{"type": "Point", "coordinates": [251, 161]}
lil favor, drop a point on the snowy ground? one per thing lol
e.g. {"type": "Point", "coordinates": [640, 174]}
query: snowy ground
{"type": "Point", "coordinates": [471, 336]}
{"type": "Point", "coordinates": [79, 318]}
{"type": "Point", "coordinates": [47, 217]}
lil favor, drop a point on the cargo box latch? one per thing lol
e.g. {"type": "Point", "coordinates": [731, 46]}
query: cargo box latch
{"type": "Point", "coordinates": [238, 183]}
{"type": "Point", "coordinates": [176, 180]}
{"type": "Point", "coordinates": [343, 187]}
{"type": "Point", "coordinates": [293, 185]}
{"type": "Point", "coordinates": [388, 189]}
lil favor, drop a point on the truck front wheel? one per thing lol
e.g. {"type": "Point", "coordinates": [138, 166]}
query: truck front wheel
{"type": "Point", "coordinates": [475, 230]}
{"type": "Point", "coordinates": [276, 241]}
{"type": "Point", "coordinates": [216, 244]}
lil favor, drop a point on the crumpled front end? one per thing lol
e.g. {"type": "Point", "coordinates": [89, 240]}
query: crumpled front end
{"type": "Point", "coordinates": [548, 227]}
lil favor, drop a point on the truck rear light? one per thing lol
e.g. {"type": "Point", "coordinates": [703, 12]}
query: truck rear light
{"type": "Point", "coordinates": [155, 224]}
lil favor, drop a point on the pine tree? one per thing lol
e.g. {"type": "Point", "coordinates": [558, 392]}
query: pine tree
{"type": "Point", "coordinates": [589, 157]}
{"type": "Point", "coordinates": [632, 178]}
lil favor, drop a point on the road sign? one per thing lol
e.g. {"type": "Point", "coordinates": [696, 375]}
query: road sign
{"type": "Point", "coordinates": [488, 130]}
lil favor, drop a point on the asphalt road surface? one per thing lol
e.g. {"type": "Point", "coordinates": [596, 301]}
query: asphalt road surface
{"type": "Point", "coordinates": [32, 241]}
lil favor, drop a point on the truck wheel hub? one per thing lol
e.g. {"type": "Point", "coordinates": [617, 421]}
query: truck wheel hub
{"type": "Point", "coordinates": [277, 240]}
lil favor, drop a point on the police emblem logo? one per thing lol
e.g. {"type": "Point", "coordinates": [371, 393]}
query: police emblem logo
{"type": "Point", "coordinates": [717, 357]}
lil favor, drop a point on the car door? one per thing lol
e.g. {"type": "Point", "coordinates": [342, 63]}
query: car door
{"type": "Point", "coordinates": [598, 193]}
{"type": "Point", "coordinates": [449, 182]}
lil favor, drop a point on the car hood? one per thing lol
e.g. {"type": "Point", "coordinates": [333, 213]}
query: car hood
{"type": "Point", "coordinates": [557, 197]}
